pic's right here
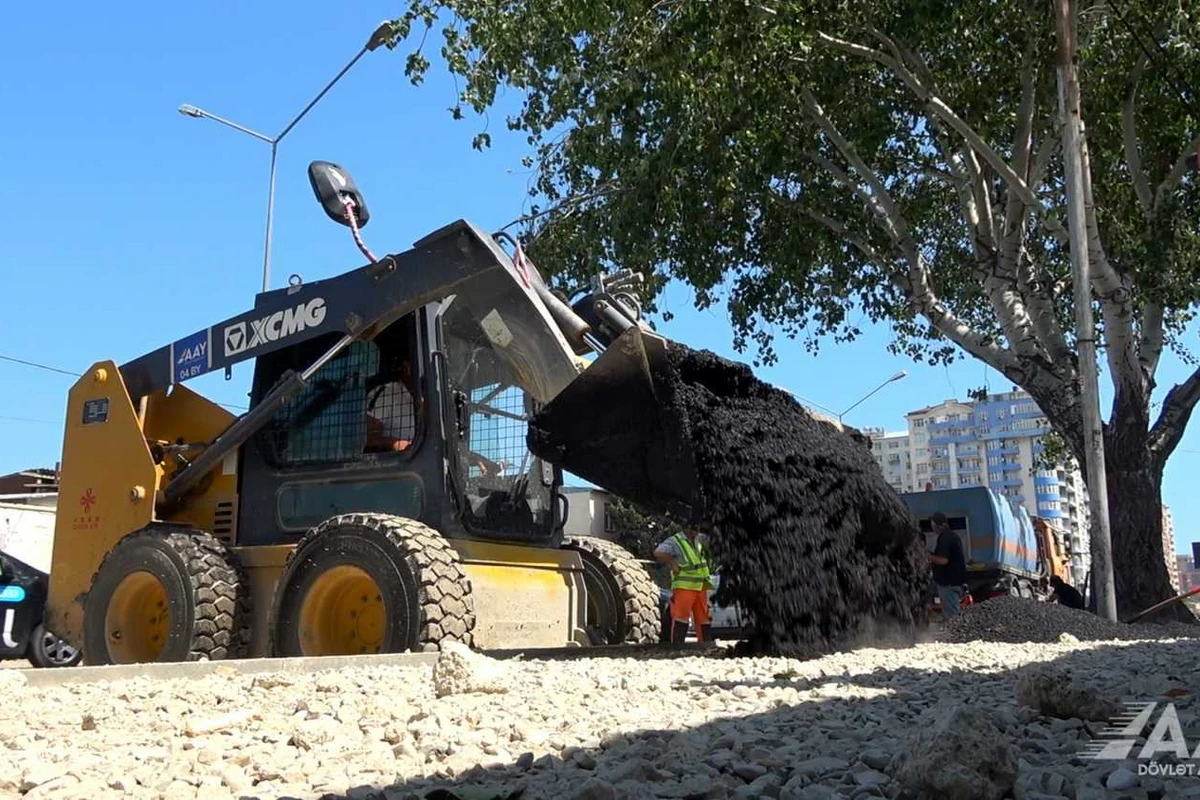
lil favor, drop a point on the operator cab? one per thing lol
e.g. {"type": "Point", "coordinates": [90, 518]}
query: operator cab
{"type": "Point", "coordinates": [422, 418]}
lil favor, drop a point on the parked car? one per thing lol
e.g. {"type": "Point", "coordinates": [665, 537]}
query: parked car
{"type": "Point", "coordinates": [22, 606]}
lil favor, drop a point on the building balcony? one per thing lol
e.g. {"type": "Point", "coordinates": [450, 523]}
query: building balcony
{"type": "Point", "coordinates": [1039, 480]}
{"type": "Point", "coordinates": [939, 471]}
{"type": "Point", "coordinates": [1006, 467]}
{"type": "Point", "coordinates": [1005, 482]}
{"type": "Point", "coordinates": [968, 469]}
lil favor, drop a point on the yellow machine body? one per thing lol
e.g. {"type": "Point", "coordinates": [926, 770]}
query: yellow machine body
{"type": "Point", "coordinates": [523, 596]}
{"type": "Point", "coordinates": [106, 490]}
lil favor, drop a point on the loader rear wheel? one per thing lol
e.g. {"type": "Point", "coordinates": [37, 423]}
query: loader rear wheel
{"type": "Point", "coordinates": [370, 583]}
{"type": "Point", "coordinates": [166, 594]}
{"type": "Point", "coordinates": [623, 602]}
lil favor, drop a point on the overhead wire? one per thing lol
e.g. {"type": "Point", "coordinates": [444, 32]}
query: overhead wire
{"type": "Point", "coordinates": [48, 368]}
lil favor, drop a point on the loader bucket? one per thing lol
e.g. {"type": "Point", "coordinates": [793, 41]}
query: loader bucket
{"type": "Point", "coordinates": [618, 425]}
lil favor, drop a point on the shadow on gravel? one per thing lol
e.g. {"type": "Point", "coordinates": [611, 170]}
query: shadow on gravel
{"type": "Point", "coordinates": [856, 735]}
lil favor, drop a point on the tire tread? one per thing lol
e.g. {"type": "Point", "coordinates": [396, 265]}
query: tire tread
{"type": "Point", "coordinates": [638, 591]}
{"type": "Point", "coordinates": [220, 588]}
{"type": "Point", "coordinates": [447, 610]}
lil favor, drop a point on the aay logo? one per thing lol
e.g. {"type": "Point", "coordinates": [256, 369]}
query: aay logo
{"type": "Point", "coordinates": [271, 328]}
{"type": "Point", "coordinates": [1118, 738]}
{"type": "Point", "coordinates": [87, 501]}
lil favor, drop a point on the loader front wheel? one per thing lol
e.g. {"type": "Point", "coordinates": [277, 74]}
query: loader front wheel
{"type": "Point", "coordinates": [166, 594]}
{"type": "Point", "coordinates": [370, 583]}
{"type": "Point", "coordinates": [623, 603]}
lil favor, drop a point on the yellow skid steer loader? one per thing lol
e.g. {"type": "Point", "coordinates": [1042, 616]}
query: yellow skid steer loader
{"type": "Point", "coordinates": [381, 493]}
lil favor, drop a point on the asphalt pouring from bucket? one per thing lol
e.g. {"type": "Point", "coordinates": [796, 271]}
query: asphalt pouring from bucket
{"type": "Point", "coordinates": [810, 540]}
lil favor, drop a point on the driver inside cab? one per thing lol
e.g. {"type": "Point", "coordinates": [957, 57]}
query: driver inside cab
{"type": "Point", "coordinates": [391, 413]}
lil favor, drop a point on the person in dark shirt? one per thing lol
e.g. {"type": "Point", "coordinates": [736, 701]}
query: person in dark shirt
{"type": "Point", "coordinates": [1065, 594]}
{"type": "Point", "coordinates": [949, 567]}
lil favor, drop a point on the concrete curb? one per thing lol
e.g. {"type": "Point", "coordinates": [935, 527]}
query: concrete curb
{"type": "Point", "coordinates": [258, 666]}
{"type": "Point", "coordinates": [201, 669]}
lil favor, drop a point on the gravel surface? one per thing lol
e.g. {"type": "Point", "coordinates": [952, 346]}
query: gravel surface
{"type": "Point", "coordinates": [933, 720]}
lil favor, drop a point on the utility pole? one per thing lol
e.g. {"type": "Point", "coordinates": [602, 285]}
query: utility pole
{"type": "Point", "coordinates": [1071, 113]}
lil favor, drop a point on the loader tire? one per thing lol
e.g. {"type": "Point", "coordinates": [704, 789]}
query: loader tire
{"type": "Point", "coordinates": [167, 594]}
{"type": "Point", "coordinates": [624, 604]}
{"type": "Point", "coordinates": [370, 583]}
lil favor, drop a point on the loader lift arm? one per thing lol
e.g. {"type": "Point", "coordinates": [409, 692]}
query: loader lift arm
{"type": "Point", "coordinates": [359, 304]}
{"type": "Point", "coordinates": [355, 302]}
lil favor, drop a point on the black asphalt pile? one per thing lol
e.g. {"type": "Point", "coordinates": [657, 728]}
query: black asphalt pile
{"type": "Point", "coordinates": [1020, 620]}
{"type": "Point", "coordinates": [811, 541]}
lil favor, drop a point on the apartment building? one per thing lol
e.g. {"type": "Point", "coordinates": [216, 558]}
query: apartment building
{"type": "Point", "coordinates": [993, 442]}
{"type": "Point", "coordinates": [893, 454]}
{"type": "Point", "coordinates": [1189, 575]}
{"type": "Point", "coordinates": [1168, 525]}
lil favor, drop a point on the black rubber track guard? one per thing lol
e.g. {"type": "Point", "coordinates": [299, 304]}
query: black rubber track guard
{"type": "Point", "coordinates": [427, 594]}
{"type": "Point", "coordinates": [623, 600]}
{"type": "Point", "coordinates": [207, 592]}
{"type": "Point", "coordinates": [618, 426]}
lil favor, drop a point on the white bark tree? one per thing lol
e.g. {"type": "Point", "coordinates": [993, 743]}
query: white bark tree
{"type": "Point", "coordinates": [806, 159]}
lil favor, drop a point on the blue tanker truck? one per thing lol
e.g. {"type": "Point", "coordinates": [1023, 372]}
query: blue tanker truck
{"type": "Point", "coordinates": [1004, 546]}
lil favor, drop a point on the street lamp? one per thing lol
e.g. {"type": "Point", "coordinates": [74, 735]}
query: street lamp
{"type": "Point", "coordinates": [898, 376]}
{"type": "Point", "coordinates": [378, 38]}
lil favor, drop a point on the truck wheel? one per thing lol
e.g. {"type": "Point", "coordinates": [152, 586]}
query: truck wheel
{"type": "Point", "coordinates": [370, 583]}
{"type": "Point", "coordinates": [47, 650]}
{"type": "Point", "coordinates": [624, 604]}
{"type": "Point", "coordinates": [167, 594]}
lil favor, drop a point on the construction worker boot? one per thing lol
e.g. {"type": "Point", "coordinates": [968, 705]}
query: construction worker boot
{"type": "Point", "coordinates": [706, 639]}
{"type": "Point", "coordinates": [679, 631]}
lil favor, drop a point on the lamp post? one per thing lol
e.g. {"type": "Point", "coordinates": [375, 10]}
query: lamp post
{"type": "Point", "coordinates": [378, 37]}
{"type": "Point", "coordinates": [898, 376]}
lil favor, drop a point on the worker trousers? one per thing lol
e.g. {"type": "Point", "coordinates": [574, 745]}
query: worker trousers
{"type": "Point", "coordinates": [691, 605]}
{"type": "Point", "coordinates": [951, 597]}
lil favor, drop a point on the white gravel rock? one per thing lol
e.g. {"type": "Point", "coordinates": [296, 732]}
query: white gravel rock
{"type": "Point", "coordinates": [851, 725]}
{"type": "Point", "coordinates": [959, 752]}
{"type": "Point", "coordinates": [460, 670]}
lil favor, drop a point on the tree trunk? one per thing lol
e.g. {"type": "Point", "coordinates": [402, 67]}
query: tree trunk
{"type": "Point", "coordinates": [1135, 513]}
{"type": "Point", "coordinates": [1139, 563]}
{"type": "Point", "coordinates": [1134, 498]}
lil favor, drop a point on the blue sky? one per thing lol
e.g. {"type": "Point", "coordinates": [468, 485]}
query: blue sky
{"type": "Point", "coordinates": [126, 225]}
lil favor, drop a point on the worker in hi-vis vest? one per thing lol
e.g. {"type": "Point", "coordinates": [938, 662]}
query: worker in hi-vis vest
{"type": "Point", "coordinates": [686, 554]}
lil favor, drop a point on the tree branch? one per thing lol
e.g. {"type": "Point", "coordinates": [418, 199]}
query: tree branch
{"type": "Point", "coordinates": [1133, 157]}
{"type": "Point", "coordinates": [944, 112]}
{"type": "Point", "coordinates": [1151, 347]}
{"type": "Point", "coordinates": [913, 280]}
{"type": "Point", "coordinates": [1038, 299]}
{"type": "Point", "coordinates": [852, 239]}
{"type": "Point", "coordinates": [1015, 209]}
{"type": "Point", "coordinates": [879, 197]}
{"type": "Point", "coordinates": [1172, 421]}
{"type": "Point", "coordinates": [1175, 175]}
{"type": "Point", "coordinates": [1116, 299]}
